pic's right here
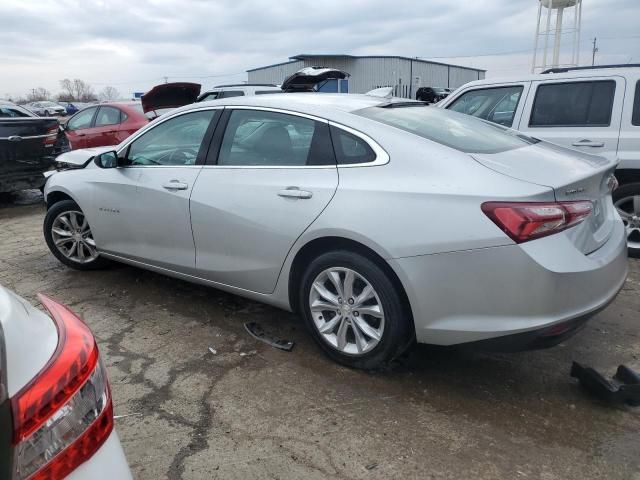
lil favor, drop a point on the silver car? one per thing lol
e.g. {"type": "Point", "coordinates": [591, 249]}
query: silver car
{"type": "Point", "coordinates": [380, 221]}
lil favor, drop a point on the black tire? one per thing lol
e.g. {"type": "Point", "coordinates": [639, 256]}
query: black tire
{"type": "Point", "coordinates": [53, 212]}
{"type": "Point", "coordinates": [398, 333]}
{"type": "Point", "coordinates": [629, 190]}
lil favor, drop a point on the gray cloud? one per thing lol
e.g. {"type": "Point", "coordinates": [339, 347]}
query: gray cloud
{"type": "Point", "coordinates": [132, 45]}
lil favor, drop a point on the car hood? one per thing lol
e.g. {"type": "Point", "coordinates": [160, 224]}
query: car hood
{"type": "Point", "coordinates": [82, 156]}
{"type": "Point", "coordinates": [170, 95]}
{"type": "Point", "coordinates": [305, 79]}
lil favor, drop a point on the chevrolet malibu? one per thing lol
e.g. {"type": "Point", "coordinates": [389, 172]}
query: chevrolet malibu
{"type": "Point", "coordinates": [56, 411]}
{"type": "Point", "coordinates": [380, 221]}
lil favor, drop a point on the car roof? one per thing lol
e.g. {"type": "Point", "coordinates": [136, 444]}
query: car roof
{"type": "Point", "coordinates": [306, 102]}
{"type": "Point", "coordinates": [578, 73]}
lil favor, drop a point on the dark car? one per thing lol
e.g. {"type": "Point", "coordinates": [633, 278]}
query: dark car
{"type": "Point", "coordinates": [27, 147]}
{"type": "Point", "coordinates": [432, 94]}
{"type": "Point", "coordinates": [73, 107]}
{"type": "Point", "coordinates": [103, 125]}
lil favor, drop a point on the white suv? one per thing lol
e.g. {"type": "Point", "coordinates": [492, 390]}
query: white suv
{"type": "Point", "coordinates": [592, 109]}
{"type": "Point", "coordinates": [239, 90]}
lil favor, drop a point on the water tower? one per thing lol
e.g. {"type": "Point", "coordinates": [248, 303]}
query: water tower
{"type": "Point", "coordinates": [567, 17]}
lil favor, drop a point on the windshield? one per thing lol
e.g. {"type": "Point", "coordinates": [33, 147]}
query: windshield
{"type": "Point", "coordinates": [455, 130]}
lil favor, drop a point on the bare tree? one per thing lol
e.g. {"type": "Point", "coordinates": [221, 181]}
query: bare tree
{"type": "Point", "coordinates": [109, 93]}
{"type": "Point", "coordinates": [77, 89]}
{"type": "Point", "coordinates": [38, 94]}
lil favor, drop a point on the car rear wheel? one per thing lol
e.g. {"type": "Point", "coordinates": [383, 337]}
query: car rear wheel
{"type": "Point", "coordinates": [354, 311]}
{"type": "Point", "coordinates": [68, 236]}
{"type": "Point", "coordinates": [627, 201]}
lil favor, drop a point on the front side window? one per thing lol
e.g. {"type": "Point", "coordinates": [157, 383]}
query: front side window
{"type": "Point", "coordinates": [497, 105]}
{"type": "Point", "coordinates": [82, 119]}
{"type": "Point", "coordinates": [573, 104]}
{"type": "Point", "coordinates": [177, 141]}
{"type": "Point", "coordinates": [462, 132]}
{"type": "Point", "coordinates": [107, 116]}
{"type": "Point", "coordinates": [635, 118]}
{"type": "Point", "coordinates": [261, 138]}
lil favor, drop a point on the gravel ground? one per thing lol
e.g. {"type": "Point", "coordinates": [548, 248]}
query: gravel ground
{"type": "Point", "coordinates": [250, 411]}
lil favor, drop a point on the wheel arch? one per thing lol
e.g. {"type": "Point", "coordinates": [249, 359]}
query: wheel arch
{"type": "Point", "coordinates": [57, 196]}
{"type": "Point", "coordinates": [320, 245]}
{"type": "Point", "coordinates": [628, 175]}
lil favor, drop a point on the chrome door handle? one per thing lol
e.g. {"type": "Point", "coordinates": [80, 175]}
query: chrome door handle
{"type": "Point", "coordinates": [587, 143]}
{"type": "Point", "coordinates": [175, 185]}
{"type": "Point", "coordinates": [294, 192]}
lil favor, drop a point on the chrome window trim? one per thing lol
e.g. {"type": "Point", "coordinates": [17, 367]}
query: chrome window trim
{"type": "Point", "coordinates": [382, 157]}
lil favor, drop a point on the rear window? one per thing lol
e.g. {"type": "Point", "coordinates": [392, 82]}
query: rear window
{"type": "Point", "coordinates": [462, 132]}
{"type": "Point", "coordinates": [635, 119]}
{"type": "Point", "coordinates": [13, 112]}
{"type": "Point", "coordinates": [573, 104]}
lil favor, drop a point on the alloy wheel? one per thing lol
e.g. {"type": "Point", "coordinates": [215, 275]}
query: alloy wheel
{"type": "Point", "coordinates": [346, 311]}
{"type": "Point", "coordinates": [72, 237]}
{"type": "Point", "coordinates": [629, 210]}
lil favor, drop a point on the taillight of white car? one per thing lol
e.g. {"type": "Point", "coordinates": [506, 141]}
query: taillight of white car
{"type": "Point", "coordinates": [64, 415]}
{"type": "Point", "coordinates": [524, 221]}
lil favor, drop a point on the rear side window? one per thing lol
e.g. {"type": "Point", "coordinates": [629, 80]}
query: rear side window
{"type": "Point", "coordinates": [497, 105]}
{"type": "Point", "coordinates": [231, 93]}
{"type": "Point", "coordinates": [261, 138]}
{"type": "Point", "coordinates": [350, 149]}
{"type": "Point", "coordinates": [635, 119]}
{"type": "Point", "coordinates": [107, 116]}
{"type": "Point", "coordinates": [264, 92]}
{"type": "Point", "coordinates": [13, 112]}
{"type": "Point", "coordinates": [573, 104]}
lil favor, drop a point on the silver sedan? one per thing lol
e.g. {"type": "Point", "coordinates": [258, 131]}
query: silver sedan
{"type": "Point", "coordinates": [380, 221]}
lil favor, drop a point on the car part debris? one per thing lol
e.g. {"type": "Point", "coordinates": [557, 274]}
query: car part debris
{"type": "Point", "coordinates": [624, 387]}
{"type": "Point", "coordinates": [213, 350]}
{"type": "Point", "coordinates": [257, 332]}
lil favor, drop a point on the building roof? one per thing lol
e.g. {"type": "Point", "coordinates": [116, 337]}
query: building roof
{"type": "Point", "coordinates": [308, 56]}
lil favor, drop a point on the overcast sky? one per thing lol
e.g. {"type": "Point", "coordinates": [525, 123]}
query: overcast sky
{"type": "Point", "coordinates": [133, 44]}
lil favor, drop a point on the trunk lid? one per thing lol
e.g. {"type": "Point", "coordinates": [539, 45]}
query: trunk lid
{"type": "Point", "coordinates": [305, 79]}
{"type": "Point", "coordinates": [170, 95]}
{"type": "Point", "coordinates": [572, 176]}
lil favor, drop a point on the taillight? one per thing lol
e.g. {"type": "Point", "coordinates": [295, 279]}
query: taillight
{"type": "Point", "coordinates": [64, 415]}
{"type": "Point", "coordinates": [530, 220]}
{"type": "Point", "coordinates": [52, 136]}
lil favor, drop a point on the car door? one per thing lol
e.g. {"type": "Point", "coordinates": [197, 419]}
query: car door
{"type": "Point", "coordinates": [77, 127]}
{"type": "Point", "coordinates": [105, 127]}
{"type": "Point", "coordinates": [268, 178]}
{"type": "Point", "coordinates": [629, 145]}
{"type": "Point", "coordinates": [579, 113]}
{"type": "Point", "coordinates": [141, 208]}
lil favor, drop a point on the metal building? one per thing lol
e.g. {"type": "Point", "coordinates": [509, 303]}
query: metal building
{"type": "Point", "coordinates": [405, 74]}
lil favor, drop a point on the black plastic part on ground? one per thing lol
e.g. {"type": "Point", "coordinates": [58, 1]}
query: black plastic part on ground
{"type": "Point", "coordinates": [624, 387]}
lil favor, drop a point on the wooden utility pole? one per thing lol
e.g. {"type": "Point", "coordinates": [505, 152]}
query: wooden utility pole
{"type": "Point", "coordinates": [593, 53]}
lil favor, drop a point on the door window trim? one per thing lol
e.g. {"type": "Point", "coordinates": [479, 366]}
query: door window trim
{"type": "Point", "coordinates": [382, 157]}
{"type": "Point", "coordinates": [206, 140]}
{"type": "Point", "coordinates": [568, 81]}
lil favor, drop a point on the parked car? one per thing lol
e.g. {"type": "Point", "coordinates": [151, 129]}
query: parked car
{"type": "Point", "coordinates": [56, 410]}
{"type": "Point", "coordinates": [73, 107]}
{"type": "Point", "coordinates": [590, 109]}
{"type": "Point", "coordinates": [104, 124]}
{"type": "Point", "coordinates": [378, 220]}
{"type": "Point", "coordinates": [431, 94]}
{"type": "Point", "coordinates": [167, 96]}
{"type": "Point", "coordinates": [46, 108]}
{"type": "Point", "coordinates": [27, 144]}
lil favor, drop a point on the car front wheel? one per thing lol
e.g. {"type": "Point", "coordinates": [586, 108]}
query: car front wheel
{"type": "Point", "coordinates": [68, 236]}
{"type": "Point", "coordinates": [626, 199]}
{"type": "Point", "coordinates": [354, 310]}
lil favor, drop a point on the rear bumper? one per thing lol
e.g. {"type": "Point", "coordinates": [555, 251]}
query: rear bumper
{"type": "Point", "coordinates": [108, 463]}
{"type": "Point", "coordinates": [482, 294]}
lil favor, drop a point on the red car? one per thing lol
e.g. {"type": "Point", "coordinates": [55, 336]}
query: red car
{"type": "Point", "coordinates": [104, 124]}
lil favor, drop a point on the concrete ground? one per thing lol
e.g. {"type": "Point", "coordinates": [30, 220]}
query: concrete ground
{"type": "Point", "coordinates": [250, 411]}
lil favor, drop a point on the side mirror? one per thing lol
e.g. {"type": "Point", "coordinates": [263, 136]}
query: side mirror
{"type": "Point", "coordinates": [107, 159]}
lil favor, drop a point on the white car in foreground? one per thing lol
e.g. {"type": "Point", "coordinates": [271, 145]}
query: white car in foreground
{"type": "Point", "coordinates": [56, 412]}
